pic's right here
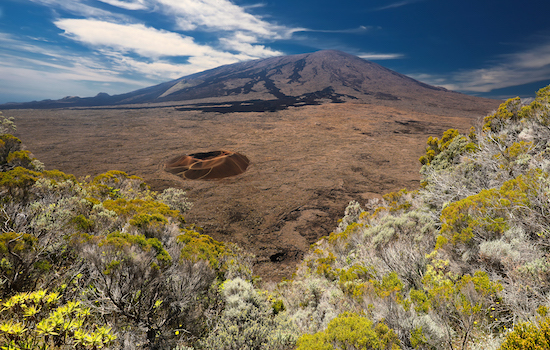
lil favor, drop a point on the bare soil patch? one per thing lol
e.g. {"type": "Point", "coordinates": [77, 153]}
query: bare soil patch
{"type": "Point", "coordinates": [306, 163]}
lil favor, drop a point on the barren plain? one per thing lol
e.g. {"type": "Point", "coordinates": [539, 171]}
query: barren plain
{"type": "Point", "coordinates": [306, 163]}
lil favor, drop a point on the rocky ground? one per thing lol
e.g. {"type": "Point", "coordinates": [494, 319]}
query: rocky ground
{"type": "Point", "coordinates": [306, 163]}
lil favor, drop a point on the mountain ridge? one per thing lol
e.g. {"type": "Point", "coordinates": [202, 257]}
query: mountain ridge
{"type": "Point", "coordinates": [293, 80]}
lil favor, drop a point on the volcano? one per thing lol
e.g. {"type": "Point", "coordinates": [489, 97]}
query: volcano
{"type": "Point", "coordinates": [280, 82]}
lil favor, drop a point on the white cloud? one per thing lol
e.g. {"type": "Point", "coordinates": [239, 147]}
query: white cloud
{"type": "Point", "coordinates": [115, 41]}
{"type": "Point", "coordinates": [39, 79]}
{"type": "Point", "coordinates": [239, 35]}
{"type": "Point", "coordinates": [513, 69]}
{"type": "Point", "coordinates": [161, 70]}
{"type": "Point", "coordinates": [220, 15]}
{"type": "Point", "coordinates": [358, 30]}
{"type": "Point", "coordinates": [79, 8]}
{"type": "Point", "coordinates": [145, 41]}
{"type": "Point", "coordinates": [34, 69]}
{"type": "Point", "coordinates": [128, 5]}
{"type": "Point", "coordinates": [253, 6]}
{"type": "Point", "coordinates": [242, 42]}
{"type": "Point", "coordinates": [158, 69]}
{"type": "Point", "coordinates": [54, 61]}
{"type": "Point", "coordinates": [429, 78]}
{"type": "Point", "coordinates": [381, 56]}
{"type": "Point", "coordinates": [397, 4]}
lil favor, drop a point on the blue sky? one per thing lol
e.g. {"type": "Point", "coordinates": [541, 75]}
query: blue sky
{"type": "Point", "coordinates": [55, 48]}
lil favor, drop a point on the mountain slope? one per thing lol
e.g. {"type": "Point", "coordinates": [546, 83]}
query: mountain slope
{"type": "Point", "coordinates": [290, 80]}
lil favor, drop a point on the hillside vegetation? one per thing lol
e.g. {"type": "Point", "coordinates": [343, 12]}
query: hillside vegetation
{"type": "Point", "coordinates": [461, 263]}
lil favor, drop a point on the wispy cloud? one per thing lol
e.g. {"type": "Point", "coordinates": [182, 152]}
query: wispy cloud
{"type": "Point", "coordinates": [253, 6]}
{"type": "Point", "coordinates": [128, 5]}
{"type": "Point", "coordinates": [79, 8]}
{"type": "Point", "coordinates": [220, 15]}
{"type": "Point", "coordinates": [397, 4]}
{"type": "Point", "coordinates": [381, 56]}
{"type": "Point", "coordinates": [145, 41]}
{"type": "Point", "coordinates": [155, 70]}
{"type": "Point", "coordinates": [241, 36]}
{"type": "Point", "coordinates": [33, 68]}
{"type": "Point", "coordinates": [116, 40]}
{"type": "Point", "coordinates": [514, 69]}
{"type": "Point", "coordinates": [358, 30]}
{"type": "Point", "coordinates": [241, 42]}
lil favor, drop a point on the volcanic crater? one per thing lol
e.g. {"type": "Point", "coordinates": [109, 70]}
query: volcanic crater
{"type": "Point", "coordinates": [208, 165]}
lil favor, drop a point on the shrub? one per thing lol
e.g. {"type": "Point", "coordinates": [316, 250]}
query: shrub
{"type": "Point", "coordinates": [21, 262]}
{"type": "Point", "coordinates": [465, 303]}
{"type": "Point", "coordinates": [176, 199]}
{"type": "Point", "coordinates": [248, 322]}
{"type": "Point", "coordinates": [39, 320]}
{"type": "Point", "coordinates": [7, 126]}
{"type": "Point", "coordinates": [197, 246]}
{"type": "Point", "coordinates": [350, 331]}
{"type": "Point", "coordinates": [506, 112]}
{"type": "Point", "coordinates": [436, 146]}
{"type": "Point", "coordinates": [19, 158]}
{"type": "Point", "coordinates": [488, 215]}
{"type": "Point", "coordinates": [528, 336]}
{"type": "Point", "coordinates": [116, 184]}
{"type": "Point", "coordinates": [351, 215]}
{"type": "Point", "coordinates": [134, 281]}
{"type": "Point", "coordinates": [18, 181]}
{"type": "Point", "coordinates": [12, 155]}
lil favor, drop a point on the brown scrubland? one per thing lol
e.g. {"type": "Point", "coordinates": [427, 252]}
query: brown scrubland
{"type": "Point", "coordinates": [306, 163]}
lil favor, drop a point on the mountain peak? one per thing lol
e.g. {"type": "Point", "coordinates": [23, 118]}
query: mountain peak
{"type": "Point", "coordinates": [279, 82]}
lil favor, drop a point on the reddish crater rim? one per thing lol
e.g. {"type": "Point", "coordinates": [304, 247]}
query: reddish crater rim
{"type": "Point", "coordinates": [208, 165]}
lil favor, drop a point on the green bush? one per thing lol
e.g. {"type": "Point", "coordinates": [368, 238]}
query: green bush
{"type": "Point", "coordinates": [436, 146]}
{"type": "Point", "coordinates": [18, 181]}
{"type": "Point", "coordinates": [7, 125]}
{"type": "Point", "coordinates": [40, 320]}
{"type": "Point", "coordinates": [350, 332]}
{"type": "Point", "coordinates": [248, 322]}
{"type": "Point", "coordinates": [528, 336]}
{"type": "Point", "coordinates": [197, 246]}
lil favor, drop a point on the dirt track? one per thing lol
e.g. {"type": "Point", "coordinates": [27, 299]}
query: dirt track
{"type": "Point", "coordinates": [307, 163]}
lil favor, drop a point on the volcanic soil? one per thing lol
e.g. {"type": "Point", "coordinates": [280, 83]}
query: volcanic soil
{"type": "Point", "coordinates": [306, 163]}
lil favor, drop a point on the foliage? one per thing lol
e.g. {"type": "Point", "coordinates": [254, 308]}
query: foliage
{"type": "Point", "coordinates": [18, 181]}
{"type": "Point", "coordinates": [135, 281]}
{"type": "Point", "coordinates": [197, 246]}
{"type": "Point", "coordinates": [21, 263]}
{"type": "Point", "coordinates": [12, 155]}
{"type": "Point", "coordinates": [7, 126]}
{"type": "Point", "coordinates": [350, 331]}
{"type": "Point", "coordinates": [451, 145]}
{"type": "Point", "coordinates": [464, 302]}
{"type": "Point", "coordinates": [528, 335]}
{"type": "Point", "coordinates": [248, 322]}
{"type": "Point", "coordinates": [40, 320]}
{"type": "Point", "coordinates": [116, 184]}
{"type": "Point", "coordinates": [175, 199]}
